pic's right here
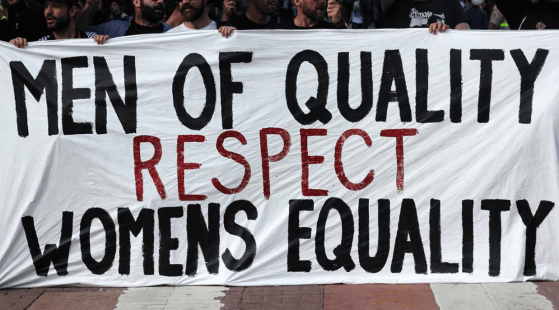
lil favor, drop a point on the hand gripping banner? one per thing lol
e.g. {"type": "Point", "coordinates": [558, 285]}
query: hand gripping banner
{"type": "Point", "coordinates": [277, 157]}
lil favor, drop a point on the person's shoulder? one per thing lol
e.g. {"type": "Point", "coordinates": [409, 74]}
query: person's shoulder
{"type": "Point", "coordinates": [176, 29]}
{"type": "Point", "coordinates": [167, 27]}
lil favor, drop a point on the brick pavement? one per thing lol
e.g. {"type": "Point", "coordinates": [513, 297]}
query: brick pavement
{"type": "Point", "coordinates": [539, 295]}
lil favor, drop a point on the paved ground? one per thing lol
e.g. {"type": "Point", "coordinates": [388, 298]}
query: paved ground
{"type": "Point", "coordinates": [539, 295]}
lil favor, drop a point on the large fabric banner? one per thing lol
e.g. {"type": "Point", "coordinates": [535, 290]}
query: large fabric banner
{"type": "Point", "coordinates": [277, 157]}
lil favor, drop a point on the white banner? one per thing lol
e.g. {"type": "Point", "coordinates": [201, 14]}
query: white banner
{"type": "Point", "coordinates": [277, 157]}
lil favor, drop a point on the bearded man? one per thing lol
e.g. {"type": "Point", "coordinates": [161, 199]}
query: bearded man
{"type": "Point", "coordinates": [60, 16]}
{"type": "Point", "coordinates": [195, 15]}
{"type": "Point", "coordinates": [257, 16]}
{"type": "Point", "coordinates": [149, 13]}
{"type": "Point", "coordinates": [310, 15]}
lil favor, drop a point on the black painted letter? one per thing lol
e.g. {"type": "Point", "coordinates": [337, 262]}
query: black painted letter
{"type": "Point", "coordinates": [532, 223]}
{"type": "Point", "coordinates": [45, 81]}
{"type": "Point", "coordinates": [408, 225]}
{"type": "Point", "coordinates": [237, 230]}
{"type": "Point", "coordinates": [317, 106]}
{"type": "Point", "coordinates": [422, 113]}
{"type": "Point", "coordinates": [57, 255]}
{"type": "Point", "coordinates": [166, 243]}
{"type": "Point", "coordinates": [194, 60]}
{"type": "Point", "coordinates": [342, 251]}
{"type": "Point", "coordinates": [349, 113]}
{"type": "Point", "coordinates": [127, 225]}
{"type": "Point", "coordinates": [228, 87]}
{"type": "Point", "coordinates": [529, 73]}
{"type": "Point", "coordinates": [104, 84]}
{"type": "Point", "coordinates": [69, 94]}
{"type": "Point", "coordinates": [376, 263]}
{"type": "Point", "coordinates": [468, 236]}
{"type": "Point", "coordinates": [393, 70]}
{"type": "Point", "coordinates": [495, 207]}
{"type": "Point", "coordinates": [206, 236]}
{"type": "Point", "coordinates": [437, 265]}
{"type": "Point", "coordinates": [486, 80]}
{"type": "Point", "coordinates": [295, 233]}
{"type": "Point", "coordinates": [85, 240]}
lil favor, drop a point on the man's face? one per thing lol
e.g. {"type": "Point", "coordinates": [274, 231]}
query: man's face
{"type": "Point", "coordinates": [114, 7]}
{"type": "Point", "coordinates": [57, 15]}
{"type": "Point", "coordinates": [152, 10]}
{"type": "Point", "coordinates": [313, 9]}
{"type": "Point", "coordinates": [265, 7]}
{"type": "Point", "coordinates": [192, 10]}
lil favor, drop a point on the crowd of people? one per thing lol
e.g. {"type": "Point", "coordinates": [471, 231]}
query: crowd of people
{"type": "Point", "coordinates": [23, 21]}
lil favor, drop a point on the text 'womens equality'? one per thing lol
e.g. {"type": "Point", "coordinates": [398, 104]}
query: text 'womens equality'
{"type": "Point", "coordinates": [392, 73]}
{"type": "Point", "coordinates": [206, 235]}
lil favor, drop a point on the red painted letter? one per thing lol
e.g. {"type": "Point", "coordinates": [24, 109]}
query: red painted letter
{"type": "Point", "coordinates": [181, 166]}
{"type": "Point", "coordinates": [234, 156]}
{"type": "Point", "coordinates": [310, 160]}
{"type": "Point", "coordinates": [398, 134]}
{"type": "Point", "coordinates": [139, 165]}
{"type": "Point", "coordinates": [339, 166]}
{"type": "Point", "coordinates": [266, 159]}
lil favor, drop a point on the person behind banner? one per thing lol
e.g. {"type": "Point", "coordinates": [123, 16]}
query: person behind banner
{"type": "Point", "coordinates": [437, 15]}
{"type": "Point", "coordinates": [195, 15]}
{"type": "Point", "coordinates": [258, 15]}
{"type": "Point", "coordinates": [310, 15]}
{"type": "Point", "coordinates": [358, 13]}
{"type": "Point", "coordinates": [116, 11]}
{"type": "Point", "coordinates": [148, 14]}
{"type": "Point", "coordinates": [497, 20]}
{"type": "Point", "coordinates": [477, 15]}
{"type": "Point", "coordinates": [60, 16]}
{"type": "Point", "coordinates": [525, 15]}
{"type": "Point", "coordinates": [26, 20]}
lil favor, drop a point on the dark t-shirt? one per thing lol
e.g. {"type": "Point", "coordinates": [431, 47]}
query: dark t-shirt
{"type": "Point", "coordinates": [525, 15]}
{"type": "Point", "coordinates": [290, 24]}
{"type": "Point", "coordinates": [478, 18]}
{"type": "Point", "coordinates": [243, 23]}
{"type": "Point", "coordinates": [135, 29]}
{"type": "Point", "coordinates": [420, 14]}
{"type": "Point", "coordinates": [28, 24]}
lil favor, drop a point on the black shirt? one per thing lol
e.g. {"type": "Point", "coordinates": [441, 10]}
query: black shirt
{"type": "Point", "coordinates": [420, 14]}
{"type": "Point", "coordinates": [290, 24]}
{"type": "Point", "coordinates": [243, 23]}
{"type": "Point", "coordinates": [135, 29]}
{"type": "Point", "coordinates": [83, 35]}
{"type": "Point", "coordinates": [523, 14]}
{"type": "Point", "coordinates": [29, 25]}
{"type": "Point", "coordinates": [478, 18]}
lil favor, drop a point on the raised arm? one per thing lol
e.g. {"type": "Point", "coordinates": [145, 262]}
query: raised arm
{"type": "Point", "coordinates": [83, 16]}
